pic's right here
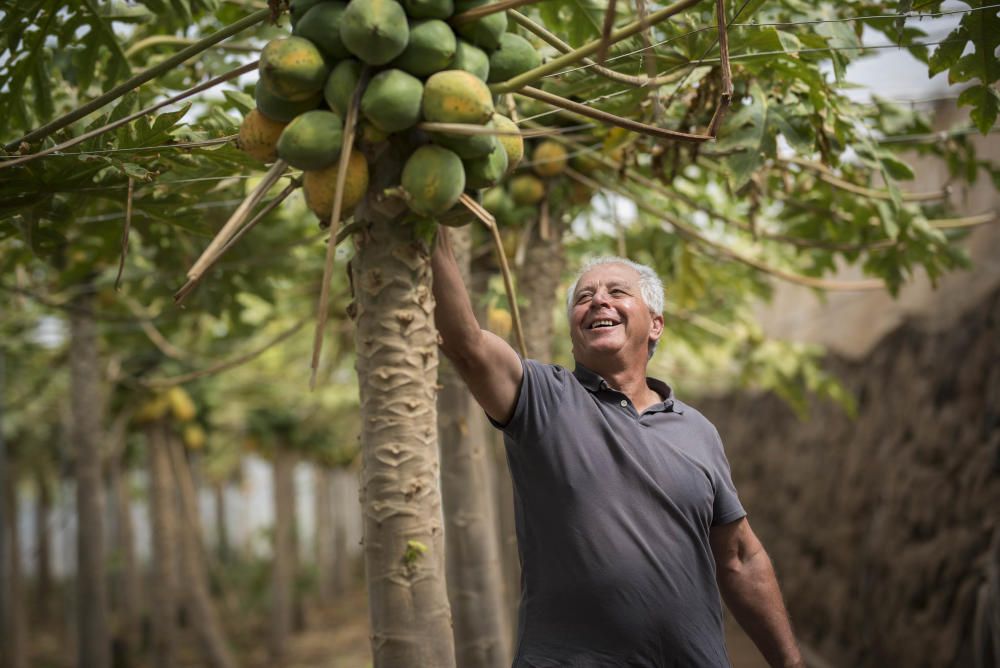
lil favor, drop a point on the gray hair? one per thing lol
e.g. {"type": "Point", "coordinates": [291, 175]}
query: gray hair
{"type": "Point", "coordinates": [650, 286]}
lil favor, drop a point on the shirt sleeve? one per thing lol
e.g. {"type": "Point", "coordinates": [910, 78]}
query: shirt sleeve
{"type": "Point", "coordinates": [727, 507]}
{"type": "Point", "coordinates": [542, 386]}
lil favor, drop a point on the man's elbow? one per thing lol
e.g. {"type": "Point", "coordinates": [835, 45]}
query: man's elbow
{"type": "Point", "coordinates": [741, 562]}
{"type": "Point", "coordinates": [462, 349]}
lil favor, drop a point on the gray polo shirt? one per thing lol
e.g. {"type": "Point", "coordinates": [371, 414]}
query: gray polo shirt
{"type": "Point", "coordinates": [613, 510]}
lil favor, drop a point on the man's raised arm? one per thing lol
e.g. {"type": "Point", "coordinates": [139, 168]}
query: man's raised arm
{"type": "Point", "coordinates": [487, 364]}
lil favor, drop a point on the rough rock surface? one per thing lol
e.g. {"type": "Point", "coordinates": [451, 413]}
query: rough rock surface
{"type": "Point", "coordinates": [880, 527]}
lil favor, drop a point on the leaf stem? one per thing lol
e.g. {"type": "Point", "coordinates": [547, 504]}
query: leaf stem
{"type": "Point", "coordinates": [826, 175]}
{"type": "Point", "coordinates": [157, 40]}
{"type": "Point", "coordinates": [549, 38]}
{"type": "Point", "coordinates": [222, 78]}
{"type": "Point", "coordinates": [141, 78]}
{"type": "Point", "coordinates": [323, 308]}
{"type": "Point", "coordinates": [487, 219]}
{"type": "Point", "coordinates": [575, 56]}
{"type": "Point", "coordinates": [607, 117]}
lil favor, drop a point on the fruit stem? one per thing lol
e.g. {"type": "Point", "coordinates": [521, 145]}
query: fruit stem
{"type": "Point", "coordinates": [590, 48]}
{"type": "Point", "coordinates": [141, 78]}
{"type": "Point", "coordinates": [487, 9]}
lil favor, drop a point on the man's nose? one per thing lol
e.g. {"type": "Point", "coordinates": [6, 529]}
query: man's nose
{"type": "Point", "coordinates": [600, 298]}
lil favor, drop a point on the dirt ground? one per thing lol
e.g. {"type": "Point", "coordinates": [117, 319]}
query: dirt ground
{"type": "Point", "coordinates": [333, 638]}
{"type": "Point", "coordinates": [339, 639]}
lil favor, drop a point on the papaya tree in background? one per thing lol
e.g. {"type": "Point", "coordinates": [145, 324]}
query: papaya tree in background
{"type": "Point", "coordinates": [722, 218]}
{"type": "Point", "coordinates": [473, 555]}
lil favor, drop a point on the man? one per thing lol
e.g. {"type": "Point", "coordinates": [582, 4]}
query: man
{"type": "Point", "coordinates": [627, 519]}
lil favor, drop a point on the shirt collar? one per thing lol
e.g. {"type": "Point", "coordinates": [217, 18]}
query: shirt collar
{"type": "Point", "coordinates": [594, 382]}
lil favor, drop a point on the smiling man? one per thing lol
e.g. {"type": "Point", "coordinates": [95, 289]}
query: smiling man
{"type": "Point", "coordinates": [628, 523]}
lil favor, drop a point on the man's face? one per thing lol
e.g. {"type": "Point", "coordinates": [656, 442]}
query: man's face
{"type": "Point", "coordinates": [609, 316]}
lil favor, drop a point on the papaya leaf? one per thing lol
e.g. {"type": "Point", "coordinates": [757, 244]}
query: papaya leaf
{"type": "Point", "coordinates": [985, 103]}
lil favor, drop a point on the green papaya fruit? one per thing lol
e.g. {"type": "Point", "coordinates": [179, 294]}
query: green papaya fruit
{"type": "Point", "coordinates": [321, 26]}
{"type": "Point", "coordinates": [340, 85]}
{"type": "Point", "coordinates": [293, 68]}
{"type": "Point", "coordinates": [485, 32]}
{"type": "Point", "coordinates": [429, 9]}
{"type": "Point", "coordinates": [471, 59]}
{"type": "Point", "coordinates": [375, 31]}
{"type": "Point", "coordinates": [391, 101]}
{"type": "Point", "coordinates": [434, 179]}
{"type": "Point", "coordinates": [514, 56]}
{"type": "Point", "coordinates": [312, 141]}
{"type": "Point", "coordinates": [431, 48]}
{"type": "Point", "coordinates": [278, 108]}
{"type": "Point", "coordinates": [512, 144]}
{"type": "Point", "coordinates": [467, 146]}
{"type": "Point", "coordinates": [457, 96]}
{"type": "Point", "coordinates": [488, 170]}
{"type": "Point", "coordinates": [298, 8]}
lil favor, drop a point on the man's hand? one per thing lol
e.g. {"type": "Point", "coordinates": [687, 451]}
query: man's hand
{"type": "Point", "coordinates": [487, 363]}
{"type": "Point", "coordinates": [748, 586]}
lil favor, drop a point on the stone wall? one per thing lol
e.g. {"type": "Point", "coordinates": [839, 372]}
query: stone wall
{"type": "Point", "coordinates": [880, 527]}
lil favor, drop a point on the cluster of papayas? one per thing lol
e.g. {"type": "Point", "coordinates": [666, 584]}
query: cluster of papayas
{"type": "Point", "coordinates": [518, 198]}
{"type": "Point", "coordinates": [421, 67]}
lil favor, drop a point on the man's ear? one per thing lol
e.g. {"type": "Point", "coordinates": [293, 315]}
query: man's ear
{"type": "Point", "coordinates": [656, 328]}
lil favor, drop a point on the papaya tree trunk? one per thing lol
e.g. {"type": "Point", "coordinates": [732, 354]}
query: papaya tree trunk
{"type": "Point", "coordinates": [127, 576]}
{"type": "Point", "coordinates": [221, 522]}
{"type": "Point", "coordinates": [503, 487]}
{"type": "Point", "coordinates": [205, 619]}
{"type": "Point", "coordinates": [396, 347]}
{"type": "Point", "coordinates": [538, 285]}
{"type": "Point", "coordinates": [43, 541]}
{"type": "Point", "coordinates": [544, 263]}
{"type": "Point", "coordinates": [163, 585]}
{"type": "Point", "coordinates": [15, 642]}
{"type": "Point", "coordinates": [324, 534]}
{"type": "Point", "coordinates": [341, 564]}
{"type": "Point", "coordinates": [5, 521]}
{"type": "Point", "coordinates": [282, 570]}
{"type": "Point", "coordinates": [475, 587]}
{"type": "Point", "coordinates": [93, 646]}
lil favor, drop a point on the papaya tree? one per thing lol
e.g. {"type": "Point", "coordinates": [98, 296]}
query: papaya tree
{"type": "Point", "coordinates": [394, 121]}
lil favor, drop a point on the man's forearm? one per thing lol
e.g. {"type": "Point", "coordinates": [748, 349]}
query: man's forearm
{"type": "Point", "coordinates": [453, 314]}
{"type": "Point", "coordinates": [752, 594]}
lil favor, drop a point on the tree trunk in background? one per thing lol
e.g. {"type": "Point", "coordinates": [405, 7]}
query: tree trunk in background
{"type": "Point", "coordinates": [503, 489]}
{"type": "Point", "coordinates": [163, 585]}
{"type": "Point", "coordinates": [204, 618]}
{"type": "Point", "coordinates": [221, 522]}
{"type": "Point", "coordinates": [298, 606]}
{"type": "Point", "coordinates": [93, 646]}
{"type": "Point", "coordinates": [475, 587]}
{"type": "Point", "coordinates": [43, 543]}
{"type": "Point", "coordinates": [5, 614]}
{"type": "Point", "coordinates": [15, 634]}
{"type": "Point", "coordinates": [282, 572]}
{"type": "Point", "coordinates": [396, 344]}
{"type": "Point", "coordinates": [126, 588]}
{"type": "Point", "coordinates": [538, 284]}
{"type": "Point", "coordinates": [324, 534]}
{"type": "Point", "coordinates": [341, 560]}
